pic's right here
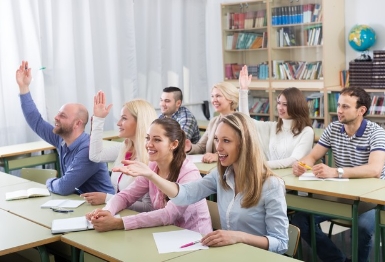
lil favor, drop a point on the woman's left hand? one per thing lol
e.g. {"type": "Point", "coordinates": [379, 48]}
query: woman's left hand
{"type": "Point", "coordinates": [210, 158]}
{"type": "Point", "coordinates": [103, 221]}
{"type": "Point", "coordinates": [219, 238]}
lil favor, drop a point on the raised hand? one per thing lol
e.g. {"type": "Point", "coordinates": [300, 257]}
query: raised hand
{"type": "Point", "coordinates": [100, 109]}
{"type": "Point", "coordinates": [244, 78]}
{"type": "Point", "coordinates": [23, 77]}
{"type": "Point", "coordinates": [134, 169]}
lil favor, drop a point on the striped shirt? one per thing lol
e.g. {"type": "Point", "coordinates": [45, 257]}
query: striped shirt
{"type": "Point", "coordinates": [353, 151]}
{"type": "Point", "coordinates": [187, 122]}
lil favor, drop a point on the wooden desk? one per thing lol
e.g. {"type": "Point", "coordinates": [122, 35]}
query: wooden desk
{"type": "Point", "coordinates": [8, 153]}
{"type": "Point", "coordinates": [283, 172]}
{"type": "Point", "coordinates": [19, 234]}
{"type": "Point", "coordinates": [202, 124]}
{"type": "Point", "coordinates": [378, 197]}
{"type": "Point", "coordinates": [238, 252]}
{"type": "Point", "coordinates": [7, 180]}
{"type": "Point", "coordinates": [205, 168]}
{"type": "Point", "coordinates": [346, 208]}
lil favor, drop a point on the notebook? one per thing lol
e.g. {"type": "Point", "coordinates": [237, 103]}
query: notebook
{"type": "Point", "coordinates": [72, 224]}
{"type": "Point", "coordinates": [64, 203]}
{"type": "Point", "coordinates": [31, 192]}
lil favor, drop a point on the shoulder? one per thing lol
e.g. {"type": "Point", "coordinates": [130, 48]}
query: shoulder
{"type": "Point", "coordinates": [188, 172]}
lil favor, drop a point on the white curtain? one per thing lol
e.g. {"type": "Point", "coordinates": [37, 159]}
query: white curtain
{"type": "Point", "coordinates": [77, 47]}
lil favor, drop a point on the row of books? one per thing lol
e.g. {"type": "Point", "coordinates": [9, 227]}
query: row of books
{"type": "Point", "coordinates": [288, 36]}
{"type": "Point", "coordinates": [297, 70]}
{"type": "Point", "coordinates": [344, 78]}
{"type": "Point", "coordinates": [259, 105]}
{"type": "Point", "coordinates": [296, 14]}
{"type": "Point", "coordinates": [315, 102]}
{"type": "Point", "coordinates": [246, 20]}
{"type": "Point", "coordinates": [333, 101]}
{"type": "Point", "coordinates": [259, 71]}
{"type": "Point", "coordinates": [377, 107]}
{"type": "Point", "coordinates": [246, 41]}
{"type": "Point", "coordinates": [318, 124]}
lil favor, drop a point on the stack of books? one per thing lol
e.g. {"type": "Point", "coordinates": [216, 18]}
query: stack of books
{"type": "Point", "coordinates": [360, 74]}
{"type": "Point", "coordinates": [378, 73]}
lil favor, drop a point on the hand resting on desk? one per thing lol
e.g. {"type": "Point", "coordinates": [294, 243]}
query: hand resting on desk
{"type": "Point", "coordinates": [103, 220]}
{"type": "Point", "coordinates": [94, 198]}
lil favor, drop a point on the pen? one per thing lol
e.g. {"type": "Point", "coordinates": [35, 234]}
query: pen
{"type": "Point", "coordinates": [190, 244]}
{"type": "Point", "coordinates": [79, 191]}
{"type": "Point", "coordinates": [304, 165]}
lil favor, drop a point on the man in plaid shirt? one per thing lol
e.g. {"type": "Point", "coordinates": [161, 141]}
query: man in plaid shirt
{"type": "Point", "coordinates": [171, 106]}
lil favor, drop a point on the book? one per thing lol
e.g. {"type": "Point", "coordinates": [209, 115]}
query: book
{"type": "Point", "coordinates": [64, 203]}
{"type": "Point", "coordinates": [70, 224]}
{"type": "Point", "coordinates": [312, 177]}
{"type": "Point", "coordinates": [31, 192]}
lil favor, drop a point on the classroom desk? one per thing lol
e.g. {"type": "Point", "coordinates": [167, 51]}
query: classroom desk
{"type": "Point", "coordinates": [283, 172]}
{"type": "Point", "coordinates": [110, 135]}
{"type": "Point", "coordinates": [7, 179]}
{"type": "Point", "coordinates": [19, 234]}
{"type": "Point", "coordinates": [205, 168]}
{"type": "Point", "coordinates": [378, 197]}
{"type": "Point", "coordinates": [348, 194]}
{"type": "Point", "coordinates": [202, 124]}
{"type": "Point", "coordinates": [238, 252]}
{"type": "Point", "coordinates": [8, 153]}
{"type": "Point", "coordinates": [121, 245]}
{"type": "Point", "coordinates": [317, 134]}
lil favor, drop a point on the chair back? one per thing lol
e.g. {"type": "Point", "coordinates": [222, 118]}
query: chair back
{"type": "Point", "coordinates": [214, 213]}
{"type": "Point", "coordinates": [294, 234]}
{"type": "Point", "coordinates": [38, 175]}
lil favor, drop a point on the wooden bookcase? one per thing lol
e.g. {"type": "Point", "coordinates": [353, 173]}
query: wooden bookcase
{"type": "Point", "coordinates": [302, 36]}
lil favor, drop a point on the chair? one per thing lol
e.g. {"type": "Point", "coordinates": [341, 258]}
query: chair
{"type": "Point", "coordinates": [294, 235]}
{"type": "Point", "coordinates": [339, 222]}
{"type": "Point", "coordinates": [214, 213]}
{"type": "Point", "coordinates": [38, 175]}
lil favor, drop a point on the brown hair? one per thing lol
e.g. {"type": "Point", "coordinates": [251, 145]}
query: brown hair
{"type": "Point", "coordinates": [175, 133]}
{"type": "Point", "coordinates": [363, 98]}
{"type": "Point", "coordinates": [297, 109]}
{"type": "Point", "coordinates": [253, 169]}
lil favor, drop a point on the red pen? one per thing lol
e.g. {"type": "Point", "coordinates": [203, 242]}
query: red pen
{"type": "Point", "coordinates": [190, 244]}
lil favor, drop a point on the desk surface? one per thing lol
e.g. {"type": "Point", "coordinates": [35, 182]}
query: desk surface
{"type": "Point", "coordinates": [202, 124]}
{"type": "Point", "coordinates": [237, 252]}
{"type": "Point", "coordinates": [352, 189]}
{"type": "Point", "coordinates": [110, 134]}
{"type": "Point", "coordinates": [25, 148]}
{"type": "Point", "coordinates": [29, 208]}
{"type": "Point", "coordinates": [121, 245]}
{"type": "Point", "coordinates": [20, 234]}
{"type": "Point", "coordinates": [205, 168]}
{"type": "Point", "coordinates": [375, 197]}
{"type": "Point", "coordinates": [283, 172]}
{"type": "Point", "coordinates": [7, 180]}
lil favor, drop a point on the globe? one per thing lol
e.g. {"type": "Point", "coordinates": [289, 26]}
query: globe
{"type": "Point", "coordinates": [362, 37]}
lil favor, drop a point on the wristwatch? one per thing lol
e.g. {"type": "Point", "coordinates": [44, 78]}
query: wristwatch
{"type": "Point", "coordinates": [340, 172]}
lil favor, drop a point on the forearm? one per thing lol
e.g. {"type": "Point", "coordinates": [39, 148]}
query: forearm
{"type": "Point", "coordinates": [243, 102]}
{"type": "Point", "coordinates": [365, 171]}
{"type": "Point", "coordinates": [281, 163]}
{"type": "Point", "coordinates": [252, 240]}
{"type": "Point", "coordinates": [171, 189]}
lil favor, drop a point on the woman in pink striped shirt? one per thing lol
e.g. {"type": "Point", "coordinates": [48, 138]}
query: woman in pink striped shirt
{"type": "Point", "coordinates": [165, 144]}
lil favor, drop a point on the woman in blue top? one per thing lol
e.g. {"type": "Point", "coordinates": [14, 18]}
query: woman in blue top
{"type": "Point", "coordinates": [251, 199]}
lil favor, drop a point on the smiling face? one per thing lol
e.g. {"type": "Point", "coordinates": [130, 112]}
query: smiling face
{"type": "Point", "coordinates": [127, 124]}
{"type": "Point", "coordinates": [159, 146]}
{"type": "Point", "coordinates": [219, 102]}
{"type": "Point", "coordinates": [227, 143]}
{"type": "Point", "coordinates": [282, 107]}
{"type": "Point", "coordinates": [168, 104]}
{"type": "Point", "coordinates": [65, 120]}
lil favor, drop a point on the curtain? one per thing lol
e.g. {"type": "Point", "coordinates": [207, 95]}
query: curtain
{"type": "Point", "coordinates": [76, 47]}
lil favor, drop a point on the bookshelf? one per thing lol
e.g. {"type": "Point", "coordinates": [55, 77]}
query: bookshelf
{"type": "Point", "coordinates": [305, 48]}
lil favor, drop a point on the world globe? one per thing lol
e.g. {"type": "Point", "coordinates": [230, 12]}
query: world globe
{"type": "Point", "coordinates": [362, 37]}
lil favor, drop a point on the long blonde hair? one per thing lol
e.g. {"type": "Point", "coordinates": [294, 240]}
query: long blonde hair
{"type": "Point", "coordinates": [252, 166]}
{"type": "Point", "coordinates": [144, 113]}
{"type": "Point", "coordinates": [230, 92]}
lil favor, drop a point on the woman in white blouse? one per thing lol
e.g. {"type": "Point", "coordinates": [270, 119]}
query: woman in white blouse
{"type": "Point", "coordinates": [289, 139]}
{"type": "Point", "coordinates": [136, 118]}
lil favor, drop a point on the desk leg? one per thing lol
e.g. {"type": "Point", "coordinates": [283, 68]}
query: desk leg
{"type": "Point", "coordinates": [57, 164]}
{"type": "Point", "coordinates": [313, 239]}
{"type": "Point", "coordinates": [377, 234]}
{"type": "Point", "coordinates": [75, 254]}
{"type": "Point", "coordinates": [6, 166]}
{"type": "Point", "coordinates": [43, 253]}
{"type": "Point", "coordinates": [355, 232]}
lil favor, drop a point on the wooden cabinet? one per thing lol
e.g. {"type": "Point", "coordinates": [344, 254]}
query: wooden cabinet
{"type": "Point", "coordinates": [303, 46]}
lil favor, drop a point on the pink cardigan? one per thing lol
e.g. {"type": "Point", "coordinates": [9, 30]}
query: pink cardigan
{"type": "Point", "coordinates": [195, 217]}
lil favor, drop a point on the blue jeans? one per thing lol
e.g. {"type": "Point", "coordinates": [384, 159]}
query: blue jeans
{"type": "Point", "coordinates": [326, 250]}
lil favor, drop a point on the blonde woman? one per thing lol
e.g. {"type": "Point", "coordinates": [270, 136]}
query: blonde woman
{"type": "Point", "coordinates": [251, 199]}
{"type": "Point", "coordinates": [224, 98]}
{"type": "Point", "coordinates": [136, 117]}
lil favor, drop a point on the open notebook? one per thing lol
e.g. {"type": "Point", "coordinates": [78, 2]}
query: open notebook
{"type": "Point", "coordinates": [71, 224]}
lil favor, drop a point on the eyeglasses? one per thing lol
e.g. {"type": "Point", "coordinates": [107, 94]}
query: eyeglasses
{"type": "Point", "coordinates": [61, 210]}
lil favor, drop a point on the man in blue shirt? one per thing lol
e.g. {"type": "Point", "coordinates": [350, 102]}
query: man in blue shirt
{"type": "Point", "coordinates": [70, 140]}
{"type": "Point", "coordinates": [170, 106]}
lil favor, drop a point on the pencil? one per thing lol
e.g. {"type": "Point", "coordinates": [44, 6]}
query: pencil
{"type": "Point", "coordinates": [304, 165]}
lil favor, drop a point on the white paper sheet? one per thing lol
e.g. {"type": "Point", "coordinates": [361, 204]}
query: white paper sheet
{"type": "Point", "coordinates": [311, 176]}
{"type": "Point", "coordinates": [195, 158]}
{"type": "Point", "coordinates": [171, 241]}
